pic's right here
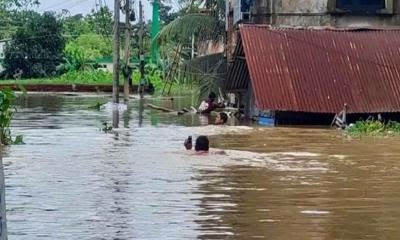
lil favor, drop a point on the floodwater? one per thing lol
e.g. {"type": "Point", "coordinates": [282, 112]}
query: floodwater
{"type": "Point", "coordinates": [72, 181]}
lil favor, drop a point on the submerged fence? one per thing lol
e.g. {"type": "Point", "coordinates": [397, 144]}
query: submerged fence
{"type": "Point", "coordinates": [199, 69]}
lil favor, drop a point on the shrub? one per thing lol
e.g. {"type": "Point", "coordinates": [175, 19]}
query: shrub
{"type": "Point", "coordinates": [7, 97]}
{"type": "Point", "coordinates": [374, 127]}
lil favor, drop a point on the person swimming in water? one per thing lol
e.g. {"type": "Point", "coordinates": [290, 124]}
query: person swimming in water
{"type": "Point", "coordinates": [202, 144]}
{"type": "Point", "coordinates": [221, 119]}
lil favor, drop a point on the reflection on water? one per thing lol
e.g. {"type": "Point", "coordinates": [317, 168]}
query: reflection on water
{"type": "Point", "coordinates": [72, 181]}
{"type": "Point", "coordinates": [3, 219]}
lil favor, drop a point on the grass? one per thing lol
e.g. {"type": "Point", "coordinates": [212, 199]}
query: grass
{"type": "Point", "coordinates": [105, 78]}
{"type": "Point", "coordinates": [88, 77]}
{"type": "Point", "coordinates": [374, 128]}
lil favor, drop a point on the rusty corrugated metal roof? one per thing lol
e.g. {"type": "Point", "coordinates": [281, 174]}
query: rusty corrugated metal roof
{"type": "Point", "coordinates": [321, 70]}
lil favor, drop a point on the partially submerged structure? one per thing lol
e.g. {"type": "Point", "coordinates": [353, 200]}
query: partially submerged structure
{"type": "Point", "coordinates": [301, 61]}
{"type": "Point", "coordinates": [307, 75]}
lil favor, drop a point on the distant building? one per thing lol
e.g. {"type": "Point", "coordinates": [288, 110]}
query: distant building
{"type": "Point", "coordinates": [106, 63]}
{"type": "Point", "coordinates": [3, 44]}
{"type": "Point", "coordinates": [306, 13]}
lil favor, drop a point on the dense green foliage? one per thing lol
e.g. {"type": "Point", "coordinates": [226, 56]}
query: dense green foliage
{"type": "Point", "coordinates": [98, 22]}
{"type": "Point", "coordinates": [82, 40]}
{"type": "Point", "coordinates": [92, 77]}
{"type": "Point", "coordinates": [154, 75]}
{"type": "Point", "coordinates": [199, 21]}
{"type": "Point", "coordinates": [166, 14]}
{"type": "Point", "coordinates": [7, 98]}
{"type": "Point", "coordinates": [374, 127]}
{"type": "Point", "coordinates": [203, 19]}
{"type": "Point", "coordinates": [84, 50]}
{"type": "Point", "coordinates": [11, 16]}
{"type": "Point", "coordinates": [46, 45]}
{"type": "Point", "coordinates": [101, 21]}
{"type": "Point", "coordinates": [183, 28]}
{"type": "Point", "coordinates": [74, 26]}
{"type": "Point", "coordinates": [18, 3]}
{"type": "Point", "coordinates": [36, 48]}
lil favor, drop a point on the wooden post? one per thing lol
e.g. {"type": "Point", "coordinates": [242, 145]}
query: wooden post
{"type": "Point", "coordinates": [344, 117]}
{"type": "Point", "coordinates": [115, 117]}
{"type": "Point", "coordinates": [141, 110]}
{"type": "Point", "coordinates": [141, 51]}
{"type": "Point", "coordinates": [127, 48]}
{"type": "Point", "coordinates": [115, 93]}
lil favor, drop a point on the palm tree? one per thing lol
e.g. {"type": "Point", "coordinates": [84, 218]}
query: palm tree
{"type": "Point", "coordinates": [200, 20]}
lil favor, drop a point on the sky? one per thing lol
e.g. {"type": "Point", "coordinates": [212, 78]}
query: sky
{"type": "Point", "coordinates": [85, 6]}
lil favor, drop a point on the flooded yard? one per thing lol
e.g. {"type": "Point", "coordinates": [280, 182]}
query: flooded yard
{"type": "Point", "coordinates": [73, 181]}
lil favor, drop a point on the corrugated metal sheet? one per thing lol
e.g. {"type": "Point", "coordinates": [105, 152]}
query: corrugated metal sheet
{"type": "Point", "coordinates": [321, 70]}
{"type": "Point", "coordinates": [238, 74]}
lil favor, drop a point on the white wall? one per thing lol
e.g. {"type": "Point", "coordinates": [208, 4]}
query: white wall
{"type": "Point", "coordinates": [2, 48]}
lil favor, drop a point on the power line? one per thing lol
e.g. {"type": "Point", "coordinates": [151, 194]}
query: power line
{"type": "Point", "coordinates": [63, 5]}
{"type": "Point", "coordinates": [55, 5]}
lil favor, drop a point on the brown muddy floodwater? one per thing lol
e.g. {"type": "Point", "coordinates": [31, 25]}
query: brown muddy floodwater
{"type": "Point", "coordinates": [72, 181]}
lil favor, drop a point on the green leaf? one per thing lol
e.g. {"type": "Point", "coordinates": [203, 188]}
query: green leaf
{"type": "Point", "coordinates": [183, 28]}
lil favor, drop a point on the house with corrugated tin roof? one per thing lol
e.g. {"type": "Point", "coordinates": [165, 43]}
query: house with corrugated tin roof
{"type": "Point", "coordinates": [345, 62]}
{"type": "Point", "coordinates": [308, 75]}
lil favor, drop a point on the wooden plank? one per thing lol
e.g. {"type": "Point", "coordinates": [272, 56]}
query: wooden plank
{"type": "Point", "coordinates": [160, 108]}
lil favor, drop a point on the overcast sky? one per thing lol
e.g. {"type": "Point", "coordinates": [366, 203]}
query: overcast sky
{"type": "Point", "coordinates": [85, 6]}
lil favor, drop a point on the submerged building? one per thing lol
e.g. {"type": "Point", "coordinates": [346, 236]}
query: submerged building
{"type": "Point", "coordinates": [303, 61]}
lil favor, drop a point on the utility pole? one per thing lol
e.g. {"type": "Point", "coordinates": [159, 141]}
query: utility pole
{"type": "Point", "coordinates": [127, 49]}
{"type": "Point", "coordinates": [155, 28]}
{"type": "Point", "coordinates": [115, 93]}
{"type": "Point", "coordinates": [141, 51]}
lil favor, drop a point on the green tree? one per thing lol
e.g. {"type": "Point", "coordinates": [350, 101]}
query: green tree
{"type": "Point", "coordinates": [10, 15]}
{"type": "Point", "coordinates": [6, 4]}
{"type": "Point", "coordinates": [202, 18]}
{"type": "Point", "coordinates": [101, 21]}
{"type": "Point", "coordinates": [5, 24]}
{"type": "Point", "coordinates": [75, 25]}
{"type": "Point", "coordinates": [166, 15]}
{"type": "Point", "coordinates": [198, 20]}
{"type": "Point", "coordinates": [85, 49]}
{"type": "Point", "coordinates": [37, 47]}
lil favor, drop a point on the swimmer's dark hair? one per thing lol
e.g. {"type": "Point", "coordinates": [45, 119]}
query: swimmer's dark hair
{"type": "Point", "coordinates": [224, 117]}
{"type": "Point", "coordinates": [202, 144]}
{"type": "Point", "coordinates": [212, 96]}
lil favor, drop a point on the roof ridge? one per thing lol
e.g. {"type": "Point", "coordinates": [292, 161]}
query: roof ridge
{"type": "Point", "coordinates": [319, 28]}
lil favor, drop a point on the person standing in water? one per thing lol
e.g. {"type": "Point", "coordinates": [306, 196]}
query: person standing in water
{"type": "Point", "coordinates": [221, 119]}
{"type": "Point", "coordinates": [209, 105]}
{"type": "Point", "coordinates": [206, 106]}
